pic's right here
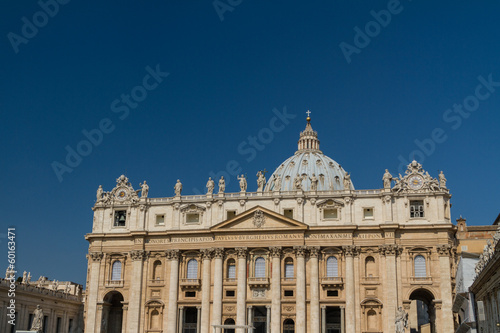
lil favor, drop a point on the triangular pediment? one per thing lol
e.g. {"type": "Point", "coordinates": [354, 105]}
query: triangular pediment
{"type": "Point", "coordinates": [259, 218]}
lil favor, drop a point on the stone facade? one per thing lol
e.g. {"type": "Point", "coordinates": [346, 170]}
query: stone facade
{"type": "Point", "coordinates": [314, 258]}
{"type": "Point", "coordinates": [61, 302]}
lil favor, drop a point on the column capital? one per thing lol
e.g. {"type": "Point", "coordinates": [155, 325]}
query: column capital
{"type": "Point", "coordinates": [313, 251]}
{"type": "Point", "coordinates": [173, 254]}
{"type": "Point", "coordinates": [138, 255]}
{"type": "Point", "coordinates": [249, 307]}
{"type": "Point", "coordinates": [241, 252]}
{"type": "Point", "coordinates": [96, 256]}
{"type": "Point", "coordinates": [390, 250]}
{"type": "Point", "coordinates": [350, 250]}
{"type": "Point", "coordinates": [206, 254]}
{"type": "Point", "coordinates": [268, 306]}
{"type": "Point", "coordinates": [300, 251]}
{"type": "Point", "coordinates": [275, 251]}
{"type": "Point", "coordinates": [444, 250]}
{"type": "Point", "coordinates": [218, 253]}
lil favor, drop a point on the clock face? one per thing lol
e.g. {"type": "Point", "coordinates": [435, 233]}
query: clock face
{"type": "Point", "coordinates": [121, 194]}
{"type": "Point", "coordinates": [415, 182]}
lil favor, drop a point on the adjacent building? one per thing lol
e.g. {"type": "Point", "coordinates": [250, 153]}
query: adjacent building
{"type": "Point", "coordinates": [305, 252]}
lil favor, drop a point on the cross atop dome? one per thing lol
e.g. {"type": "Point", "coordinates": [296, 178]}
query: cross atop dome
{"type": "Point", "coordinates": [308, 138]}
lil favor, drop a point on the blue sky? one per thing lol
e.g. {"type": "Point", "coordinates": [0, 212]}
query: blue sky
{"type": "Point", "coordinates": [377, 97]}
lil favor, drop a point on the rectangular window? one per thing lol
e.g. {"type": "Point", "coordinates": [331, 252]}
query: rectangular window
{"type": "Point", "coordinates": [58, 325]}
{"type": "Point", "coordinates": [120, 218]}
{"type": "Point", "coordinates": [193, 218]}
{"type": "Point", "coordinates": [230, 214]}
{"type": "Point", "coordinates": [464, 248]}
{"type": "Point", "coordinates": [160, 219]}
{"type": "Point", "coordinates": [368, 213]}
{"type": "Point", "coordinates": [332, 293]}
{"type": "Point", "coordinates": [288, 293]}
{"type": "Point", "coordinates": [230, 293]}
{"type": "Point", "coordinates": [190, 294]}
{"type": "Point", "coordinates": [70, 325]}
{"type": "Point", "coordinates": [288, 213]}
{"type": "Point", "coordinates": [416, 208]}
{"type": "Point", "coordinates": [330, 214]}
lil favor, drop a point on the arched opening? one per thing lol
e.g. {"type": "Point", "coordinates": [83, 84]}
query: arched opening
{"type": "Point", "coordinates": [372, 320]}
{"type": "Point", "coordinates": [370, 267]}
{"type": "Point", "coordinates": [289, 268]}
{"type": "Point", "coordinates": [155, 320]}
{"type": "Point", "coordinates": [420, 267]}
{"type": "Point", "coordinates": [422, 314]}
{"type": "Point", "coordinates": [112, 313]}
{"type": "Point", "coordinates": [260, 267]}
{"type": "Point", "coordinates": [192, 269]}
{"type": "Point", "coordinates": [332, 268]}
{"type": "Point", "coordinates": [157, 273]}
{"type": "Point", "coordinates": [288, 326]}
{"type": "Point", "coordinates": [231, 268]}
{"type": "Point", "coordinates": [116, 271]}
{"type": "Point", "coordinates": [229, 321]}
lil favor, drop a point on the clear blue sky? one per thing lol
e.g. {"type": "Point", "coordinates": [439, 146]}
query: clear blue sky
{"type": "Point", "coordinates": [225, 78]}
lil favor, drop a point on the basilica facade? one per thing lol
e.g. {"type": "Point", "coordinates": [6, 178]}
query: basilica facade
{"type": "Point", "coordinates": [306, 252]}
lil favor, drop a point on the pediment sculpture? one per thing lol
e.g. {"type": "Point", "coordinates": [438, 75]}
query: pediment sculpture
{"type": "Point", "coordinates": [417, 180]}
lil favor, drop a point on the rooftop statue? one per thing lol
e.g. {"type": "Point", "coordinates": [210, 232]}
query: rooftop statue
{"type": "Point", "coordinates": [144, 189]}
{"type": "Point", "coordinates": [210, 186]}
{"type": "Point", "coordinates": [442, 180]}
{"type": "Point", "coordinates": [222, 185]}
{"type": "Point", "coordinates": [277, 183]}
{"type": "Point", "coordinates": [261, 180]}
{"type": "Point", "coordinates": [387, 179]}
{"type": "Point", "coordinates": [178, 188]}
{"type": "Point", "coordinates": [100, 192]}
{"type": "Point", "coordinates": [347, 181]}
{"type": "Point", "coordinates": [243, 183]}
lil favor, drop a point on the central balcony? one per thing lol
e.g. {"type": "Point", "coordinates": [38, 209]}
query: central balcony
{"type": "Point", "coordinates": [190, 283]}
{"type": "Point", "coordinates": [420, 280]}
{"type": "Point", "coordinates": [114, 283]}
{"type": "Point", "coordinates": [332, 281]}
{"type": "Point", "coordinates": [257, 282]}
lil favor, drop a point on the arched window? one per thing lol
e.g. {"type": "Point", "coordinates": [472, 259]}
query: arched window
{"type": "Point", "coordinates": [370, 267]}
{"type": "Point", "coordinates": [229, 321]}
{"type": "Point", "coordinates": [420, 269]}
{"type": "Point", "coordinates": [372, 321]}
{"type": "Point", "coordinates": [288, 326]}
{"type": "Point", "coordinates": [116, 271]}
{"type": "Point", "coordinates": [231, 269]}
{"type": "Point", "coordinates": [332, 268]}
{"type": "Point", "coordinates": [192, 269]}
{"type": "Point", "coordinates": [289, 268]}
{"type": "Point", "coordinates": [157, 270]}
{"type": "Point", "coordinates": [155, 320]}
{"type": "Point", "coordinates": [260, 267]}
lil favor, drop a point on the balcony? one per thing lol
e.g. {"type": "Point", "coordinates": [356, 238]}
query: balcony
{"type": "Point", "coordinates": [190, 283]}
{"type": "Point", "coordinates": [288, 281]}
{"type": "Point", "coordinates": [156, 282]}
{"type": "Point", "coordinates": [230, 281]}
{"type": "Point", "coordinates": [370, 280]}
{"type": "Point", "coordinates": [255, 282]}
{"type": "Point", "coordinates": [114, 284]}
{"type": "Point", "coordinates": [420, 280]}
{"type": "Point", "coordinates": [332, 281]}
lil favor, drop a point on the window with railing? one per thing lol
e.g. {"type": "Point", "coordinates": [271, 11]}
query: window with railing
{"type": "Point", "coordinates": [116, 271]}
{"type": "Point", "coordinates": [289, 272]}
{"type": "Point", "coordinates": [332, 268]}
{"type": "Point", "coordinates": [231, 269]}
{"type": "Point", "coordinates": [192, 269]}
{"type": "Point", "coordinates": [260, 267]}
{"type": "Point", "coordinates": [420, 266]}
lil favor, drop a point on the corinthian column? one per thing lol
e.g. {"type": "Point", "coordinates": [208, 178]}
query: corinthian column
{"type": "Point", "coordinates": [218, 276]}
{"type": "Point", "coordinates": [350, 305]}
{"type": "Point", "coordinates": [173, 255]}
{"type": "Point", "coordinates": [391, 286]}
{"type": "Point", "coordinates": [300, 307]}
{"type": "Point", "coordinates": [276, 289]}
{"type": "Point", "coordinates": [134, 304]}
{"type": "Point", "coordinates": [314, 319]}
{"type": "Point", "coordinates": [93, 290]}
{"type": "Point", "coordinates": [205, 291]}
{"type": "Point", "coordinates": [241, 287]}
{"type": "Point", "coordinates": [446, 320]}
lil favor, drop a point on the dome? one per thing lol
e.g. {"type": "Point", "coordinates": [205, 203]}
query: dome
{"type": "Point", "coordinates": [309, 162]}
